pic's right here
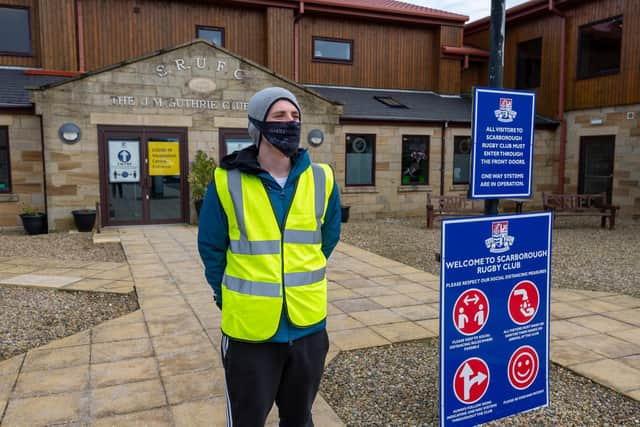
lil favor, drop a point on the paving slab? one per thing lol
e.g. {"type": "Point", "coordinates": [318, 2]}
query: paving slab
{"type": "Point", "coordinates": [160, 365]}
{"type": "Point", "coordinates": [612, 373]}
{"type": "Point", "coordinates": [41, 280]}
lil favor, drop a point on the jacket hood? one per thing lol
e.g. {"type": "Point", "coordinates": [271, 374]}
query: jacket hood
{"type": "Point", "coordinates": [246, 160]}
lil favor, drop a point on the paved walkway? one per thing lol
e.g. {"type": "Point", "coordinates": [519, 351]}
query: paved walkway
{"type": "Point", "coordinates": [160, 365]}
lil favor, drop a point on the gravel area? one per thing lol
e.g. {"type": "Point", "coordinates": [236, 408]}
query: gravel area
{"type": "Point", "coordinates": [398, 385]}
{"type": "Point", "coordinates": [67, 246]}
{"type": "Point", "coordinates": [31, 317]}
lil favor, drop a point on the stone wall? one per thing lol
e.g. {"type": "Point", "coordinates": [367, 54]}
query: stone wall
{"type": "Point", "coordinates": [26, 168]}
{"type": "Point", "coordinates": [624, 123]}
{"type": "Point", "coordinates": [117, 97]}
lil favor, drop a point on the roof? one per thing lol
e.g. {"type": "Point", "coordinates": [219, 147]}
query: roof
{"type": "Point", "coordinates": [384, 10]}
{"type": "Point", "coordinates": [526, 10]}
{"type": "Point", "coordinates": [391, 6]}
{"type": "Point", "coordinates": [14, 83]}
{"type": "Point", "coordinates": [422, 106]}
{"type": "Point", "coordinates": [360, 104]}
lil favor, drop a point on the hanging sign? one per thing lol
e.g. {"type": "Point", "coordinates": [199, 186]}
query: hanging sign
{"type": "Point", "coordinates": [503, 130]}
{"type": "Point", "coordinates": [164, 158]}
{"type": "Point", "coordinates": [494, 317]}
{"type": "Point", "coordinates": [124, 161]}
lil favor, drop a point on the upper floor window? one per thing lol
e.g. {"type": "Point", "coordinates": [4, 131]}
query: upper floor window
{"type": "Point", "coordinates": [5, 169]}
{"type": "Point", "coordinates": [15, 34]}
{"type": "Point", "coordinates": [529, 61]}
{"type": "Point", "coordinates": [214, 34]}
{"type": "Point", "coordinates": [332, 50]}
{"type": "Point", "coordinates": [360, 160]}
{"type": "Point", "coordinates": [415, 160]}
{"type": "Point", "coordinates": [461, 159]}
{"type": "Point", "coordinates": [599, 49]}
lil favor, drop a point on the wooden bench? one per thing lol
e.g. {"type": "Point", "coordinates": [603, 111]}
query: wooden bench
{"type": "Point", "coordinates": [581, 205]}
{"type": "Point", "coordinates": [458, 205]}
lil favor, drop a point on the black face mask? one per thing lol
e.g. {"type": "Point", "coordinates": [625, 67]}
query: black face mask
{"type": "Point", "coordinates": [285, 136]}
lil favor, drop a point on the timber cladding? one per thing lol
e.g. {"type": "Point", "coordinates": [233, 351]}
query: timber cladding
{"type": "Point", "coordinates": [115, 30]}
{"type": "Point", "coordinates": [384, 55]}
{"type": "Point", "coordinates": [622, 87]}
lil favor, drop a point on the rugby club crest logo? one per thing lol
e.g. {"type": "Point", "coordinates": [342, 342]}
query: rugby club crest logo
{"type": "Point", "coordinates": [506, 114]}
{"type": "Point", "coordinates": [500, 241]}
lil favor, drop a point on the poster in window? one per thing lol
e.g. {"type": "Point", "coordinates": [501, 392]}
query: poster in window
{"type": "Point", "coordinates": [414, 160]}
{"type": "Point", "coordinates": [164, 158]}
{"type": "Point", "coordinates": [124, 161]}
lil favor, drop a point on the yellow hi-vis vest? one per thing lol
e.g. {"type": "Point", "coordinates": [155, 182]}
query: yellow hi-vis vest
{"type": "Point", "coordinates": [267, 266]}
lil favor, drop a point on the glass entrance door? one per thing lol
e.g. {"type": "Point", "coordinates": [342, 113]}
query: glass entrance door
{"type": "Point", "coordinates": [125, 191]}
{"type": "Point", "coordinates": [143, 175]}
{"type": "Point", "coordinates": [596, 165]}
{"type": "Point", "coordinates": [164, 180]}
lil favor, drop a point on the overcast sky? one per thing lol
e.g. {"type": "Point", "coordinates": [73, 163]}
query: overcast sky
{"type": "Point", "coordinates": [475, 9]}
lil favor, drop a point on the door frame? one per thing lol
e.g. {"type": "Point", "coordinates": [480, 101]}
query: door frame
{"type": "Point", "coordinates": [143, 133]}
{"type": "Point", "coordinates": [591, 139]}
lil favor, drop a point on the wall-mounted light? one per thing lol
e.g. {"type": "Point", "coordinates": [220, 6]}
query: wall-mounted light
{"type": "Point", "coordinates": [69, 133]}
{"type": "Point", "coordinates": [315, 137]}
{"type": "Point", "coordinates": [596, 121]}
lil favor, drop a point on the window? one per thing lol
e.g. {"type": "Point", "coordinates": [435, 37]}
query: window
{"type": "Point", "coordinates": [332, 50]}
{"type": "Point", "coordinates": [461, 159]}
{"type": "Point", "coordinates": [360, 159]}
{"type": "Point", "coordinates": [599, 48]}
{"type": "Point", "coordinates": [390, 101]}
{"type": "Point", "coordinates": [415, 160]}
{"type": "Point", "coordinates": [233, 140]}
{"type": "Point", "coordinates": [528, 64]}
{"type": "Point", "coordinates": [214, 34]}
{"type": "Point", "coordinates": [5, 169]}
{"type": "Point", "coordinates": [15, 35]}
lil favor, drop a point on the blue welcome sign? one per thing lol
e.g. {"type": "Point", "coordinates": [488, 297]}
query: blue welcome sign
{"type": "Point", "coordinates": [494, 317]}
{"type": "Point", "coordinates": [503, 130]}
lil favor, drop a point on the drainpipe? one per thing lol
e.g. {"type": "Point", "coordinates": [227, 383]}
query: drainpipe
{"type": "Point", "coordinates": [80, 36]}
{"type": "Point", "coordinates": [561, 98]}
{"type": "Point", "coordinates": [44, 170]}
{"type": "Point", "coordinates": [296, 42]}
{"type": "Point", "coordinates": [445, 125]}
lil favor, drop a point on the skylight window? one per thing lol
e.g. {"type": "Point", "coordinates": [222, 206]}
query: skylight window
{"type": "Point", "coordinates": [390, 101]}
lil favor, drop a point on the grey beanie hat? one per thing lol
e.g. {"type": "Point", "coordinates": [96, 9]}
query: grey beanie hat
{"type": "Point", "coordinates": [260, 104]}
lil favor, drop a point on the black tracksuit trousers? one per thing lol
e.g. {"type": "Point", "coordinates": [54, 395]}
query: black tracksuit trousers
{"type": "Point", "coordinates": [257, 374]}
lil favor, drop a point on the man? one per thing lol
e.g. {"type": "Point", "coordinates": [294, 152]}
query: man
{"type": "Point", "coordinates": [268, 224]}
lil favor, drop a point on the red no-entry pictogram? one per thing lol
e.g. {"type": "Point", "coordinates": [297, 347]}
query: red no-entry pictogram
{"type": "Point", "coordinates": [471, 380]}
{"type": "Point", "coordinates": [471, 311]}
{"type": "Point", "coordinates": [524, 301]}
{"type": "Point", "coordinates": [523, 367]}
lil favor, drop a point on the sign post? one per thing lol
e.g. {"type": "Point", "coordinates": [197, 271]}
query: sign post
{"type": "Point", "coordinates": [494, 317]}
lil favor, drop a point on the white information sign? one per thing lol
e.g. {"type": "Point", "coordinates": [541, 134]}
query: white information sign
{"type": "Point", "coordinates": [124, 161]}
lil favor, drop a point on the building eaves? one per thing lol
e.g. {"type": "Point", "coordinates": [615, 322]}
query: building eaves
{"type": "Point", "coordinates": [383, 10]}
{"type": "Point", "coordinates": [390, 6]}
{"type": "Point", "coordinates": [528, 10]}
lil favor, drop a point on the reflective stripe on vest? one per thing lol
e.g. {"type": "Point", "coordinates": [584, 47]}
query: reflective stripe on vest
{"type": "Point", "coordinates": [243, 245]}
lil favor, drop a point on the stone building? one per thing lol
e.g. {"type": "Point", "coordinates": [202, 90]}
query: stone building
{"type": "Point", "coordinates": [95, 116]}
